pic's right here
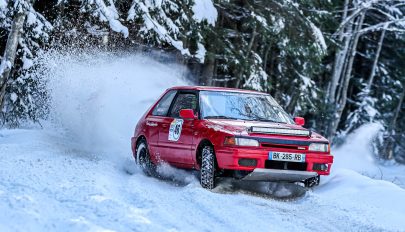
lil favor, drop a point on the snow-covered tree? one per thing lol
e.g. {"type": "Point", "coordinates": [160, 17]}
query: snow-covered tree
{"type": "Point", "coordinates": [21, 90]}
{"type": "Point", "coordinates": [272, 46]}
{"type": "Point", "coordinates": [177, 23]}
{"type": "Point", "coordinates": [358, 19]}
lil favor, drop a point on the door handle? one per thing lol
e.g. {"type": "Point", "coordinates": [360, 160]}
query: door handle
{"type": "Point", "coordinates": [164, 125]}
{"type": "Point", "coordinates": [148, 123]}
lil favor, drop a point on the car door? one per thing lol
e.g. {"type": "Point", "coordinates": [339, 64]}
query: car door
{"type": "Point", "coordinates": [154, 123]}
{"type": "Point", "coordinates": [177, 135]}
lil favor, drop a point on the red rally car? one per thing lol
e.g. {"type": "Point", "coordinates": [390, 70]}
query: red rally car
{"type": "Point", "coordinates": [222, 132]}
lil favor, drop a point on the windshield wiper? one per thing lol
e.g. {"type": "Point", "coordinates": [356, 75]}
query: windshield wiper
{"type": "Point", "coordinates": [220, 117]}
{"type": "Point", "coordinates": [268, 120]}
{"type": "Point", "coordinates": [244, 119]}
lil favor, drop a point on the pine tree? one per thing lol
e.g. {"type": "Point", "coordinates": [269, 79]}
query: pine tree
{"type": "Point", "coordinates": [21, 90]}
{"type": "Point", "coordinates": [178, 24]}
{"type": "Point", "coordinates": [271, 46]}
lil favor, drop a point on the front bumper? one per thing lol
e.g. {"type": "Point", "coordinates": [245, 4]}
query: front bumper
{"type": "Point", "coordinates": [228, 158]}
{"type": "Point", "coordinates": [262, 174]}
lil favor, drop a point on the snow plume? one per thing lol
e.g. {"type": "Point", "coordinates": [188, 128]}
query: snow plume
{"type": "Point", "coordinates": [99, 97]}
{"type": "Point", "coordinates": [356, 153]}
{"type": "Point", "coordinates": [178, 177]}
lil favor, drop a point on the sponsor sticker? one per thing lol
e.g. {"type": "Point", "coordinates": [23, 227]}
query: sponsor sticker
{"type": "Point", "coordinates": [175, 129]}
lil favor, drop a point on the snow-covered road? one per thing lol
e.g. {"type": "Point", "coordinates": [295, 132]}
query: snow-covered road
{"type": "Point", "coordinates": [48, 184]}
{"type": "Point", "coordinates": [77, 173]}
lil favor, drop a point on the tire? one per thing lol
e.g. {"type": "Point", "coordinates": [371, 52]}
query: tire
{"type": "Point", "coordinates": [143, 158]}
{"type": "Point", "coordinates": [312, 182]}
{"type": "Point", "coordinates": [207, 171]}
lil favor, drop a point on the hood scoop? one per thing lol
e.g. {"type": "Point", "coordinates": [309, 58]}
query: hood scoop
{"type": "Point", "coordinates": [280, 131]}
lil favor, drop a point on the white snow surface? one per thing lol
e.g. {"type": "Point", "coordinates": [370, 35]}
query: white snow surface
{"type": "Point", "coordinates": [205, 10]}
{"type": "Point", "coordinates": [357, 155]}
{"type": "Point", "coordinates": [3, 3]}
{"type": "Point", "coordinates": [77, 173]}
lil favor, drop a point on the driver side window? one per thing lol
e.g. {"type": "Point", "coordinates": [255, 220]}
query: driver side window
{"type": "Point", "coordinates": [163, 106]}
{"type": "Point", "coordinates": [184, 101]}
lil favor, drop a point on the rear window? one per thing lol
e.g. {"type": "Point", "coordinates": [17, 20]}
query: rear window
{"type": "Point", "coordinates": [163, 106]}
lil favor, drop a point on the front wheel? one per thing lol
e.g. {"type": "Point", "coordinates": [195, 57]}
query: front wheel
{"type": "Point", "coordinates": [312, 182]}
{"type": "Point", "coordinates": [207, 172]}
{"type": "Point", "coordinates": [143, 158]}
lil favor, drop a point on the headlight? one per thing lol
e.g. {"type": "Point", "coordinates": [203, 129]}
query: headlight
{"type": "Point", "coordinates": [241, 142]}
{"type": "Point", "coordinates": [322, 147]}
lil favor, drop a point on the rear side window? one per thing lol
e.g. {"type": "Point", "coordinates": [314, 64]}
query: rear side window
{"type": "Point", "coordinates": [184, 101]}
{"type": "Point", "coordinates": [164, 104]}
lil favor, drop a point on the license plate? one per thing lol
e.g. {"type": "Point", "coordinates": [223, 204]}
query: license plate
{"type": "Point", "coordinates": [285, 156]}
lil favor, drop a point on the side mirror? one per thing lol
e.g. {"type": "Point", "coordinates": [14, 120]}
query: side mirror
{"type": "Point", "coordinates": [300, 121]}
{"type": "Point", "coordinates": [187, 114]}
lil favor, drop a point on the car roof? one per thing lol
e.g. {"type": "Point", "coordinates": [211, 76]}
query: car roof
{"type": "Point", "coordinates": [210, 88]}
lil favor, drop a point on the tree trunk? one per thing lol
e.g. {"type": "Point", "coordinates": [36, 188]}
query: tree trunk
{"type": "Point", "coordinates": [10, 53]}
{"type": "Point", "coordinates": [208, 70]}
{"type": "Point", "coordinates": [264, 65]}
{"type": "Point", "coordinates": [388, 152]}
{"type": "Point", "coordinates": [266, 57]}
{"type": "Point", "coordinates": [342, 100]}
{"type": "Point", "coordinates": [247, 52]}
{"type": "Point", "coordinates": [340, 56]}
{"type": "Point", "coordinates": [375, 63]}
{"type": "Point", "coordinates": [293, 102]}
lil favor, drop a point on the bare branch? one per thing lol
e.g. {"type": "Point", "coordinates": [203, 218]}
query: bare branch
{"type": "Point", "coordinates": [362, 7]}
{"type": "Point", "coordinates": [383, 26]}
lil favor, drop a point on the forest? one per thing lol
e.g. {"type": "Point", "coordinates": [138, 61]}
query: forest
{"type": "Point", "coordinates": [338, 63]}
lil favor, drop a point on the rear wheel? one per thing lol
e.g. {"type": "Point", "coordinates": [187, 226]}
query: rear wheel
{"type": "Point", "coordinates": [143, 158]}
{"type": "Point", "coordinates": [207, 172]}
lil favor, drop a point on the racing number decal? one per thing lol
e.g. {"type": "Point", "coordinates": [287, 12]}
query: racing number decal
{"type": "Point", "coordinates": [175, 129]}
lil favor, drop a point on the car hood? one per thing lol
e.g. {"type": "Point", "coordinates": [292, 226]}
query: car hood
{"type": "Point", "coordinates": [240, 127]}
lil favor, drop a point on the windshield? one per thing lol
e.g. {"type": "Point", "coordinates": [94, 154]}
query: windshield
{"type": "Point", "coordinates": [242, 106]}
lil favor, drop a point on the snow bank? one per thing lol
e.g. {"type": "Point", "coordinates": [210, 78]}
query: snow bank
{"type": "Point", "coordinates": [357, 154]}
{"type": "Point", "coordinates": [377, 203]}
{"type": "Point", "coordinates": [99, 98]}
{"type": "Point", "coordinates": [360, 182]}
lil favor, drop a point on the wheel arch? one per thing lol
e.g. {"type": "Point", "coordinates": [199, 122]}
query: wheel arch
{"type": "Point", "coordinates": [140, 138]}
{"type": "Point", "coordinates": [135, 145]}
{"type": "Point", "coordinates": [198, 157]}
